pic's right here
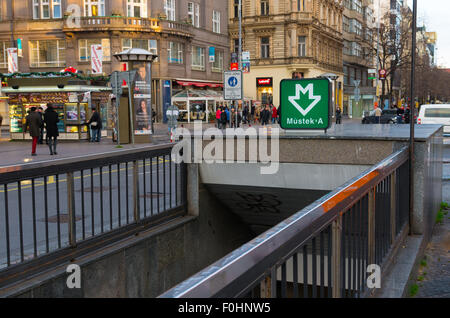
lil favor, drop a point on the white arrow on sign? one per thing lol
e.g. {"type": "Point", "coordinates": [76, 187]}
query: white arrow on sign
{"type": "Point", "coordinates": [299, 89]}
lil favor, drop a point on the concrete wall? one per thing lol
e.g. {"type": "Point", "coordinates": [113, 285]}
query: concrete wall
{"type": "Point", "coordinates": [151, 263]}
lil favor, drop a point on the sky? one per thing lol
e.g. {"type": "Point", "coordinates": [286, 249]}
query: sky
{"type": "Point", "coordinates": [434, 14]}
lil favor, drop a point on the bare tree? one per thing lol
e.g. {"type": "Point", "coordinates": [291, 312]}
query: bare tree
{"type": "Point", "coordinates": [394, 47]}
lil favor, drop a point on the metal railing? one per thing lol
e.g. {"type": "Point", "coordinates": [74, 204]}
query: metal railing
{"type": "Point", "coordinates": [323, 250]}
{"type": "Point", "coordinates": [51, 208]}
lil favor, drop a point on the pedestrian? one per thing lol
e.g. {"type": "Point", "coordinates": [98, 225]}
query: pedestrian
{"type": "Point", "coordinates": [96, 126]}
{"type": "Point", "coordinates": [227, 111]}
{"type": "Point", "coordinates": [265, 116]}
{"type": "Point", "coordinates": [378, 114]}
{"type": "Point", "coordinates": [41, 129]}
{"type": "Point", "coordinates": [51, 120]}
{"type": "Point", "coordinates": [245, 115]}
{"type": "Point", "coordinates": [279, 114]}
{"type": "Point", "coordinates": [235, 118]}
{"type": "Point", "coordinates": [33, 125]}
{"type": "Point", "coordinates": [252, 113]}
{"type": "Point", "coordinates": [218, 113]}
{"type": "Point", "coordinates": [1, 119]}
{"type": "Point", "coordinates": [274, 114]}
{"type": "Point", "coordinates": [338, 115]}
{"type": "Point", "coordinates": [223, 119]}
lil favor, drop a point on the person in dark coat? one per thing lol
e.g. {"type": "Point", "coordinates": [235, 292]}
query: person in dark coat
{"type": "Point", "coordinates": [41, 134]}
{"type": "Point", "coordinates": [223, 118]}
{"type": "Point", "coordinates": [51, 120]}
{"type": "Point", "coordinates": [265, 116]}
{"type": "Point", "coordinates": [33, 124]}
{"type": "Point", "coordinates": [338, 116]}
{"type": "Point", "coordinates": [96, 126]}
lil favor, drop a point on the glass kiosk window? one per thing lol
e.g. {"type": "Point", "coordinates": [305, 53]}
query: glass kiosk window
{"type": "Point", "coordinates": [59, 109]}
{"type": "Point", "coordinates": [16, 117]}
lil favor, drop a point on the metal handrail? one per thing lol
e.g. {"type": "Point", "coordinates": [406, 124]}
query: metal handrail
{"type": "Point", "coordinates": [248, 264]}
{"type": "Point", "coordinates": [14, 173]}
{"type": "Point", "coordinates": [131, 215]}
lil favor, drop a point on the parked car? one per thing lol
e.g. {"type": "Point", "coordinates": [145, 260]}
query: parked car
{"type": "Point", "coordinates": [388, 116]}
{"type": "Point", "coordinates": [435, 114]}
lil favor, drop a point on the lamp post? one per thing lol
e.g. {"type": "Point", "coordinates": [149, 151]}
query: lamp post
{"type": "Point", "coordinates": [132, 56]}
{"type": "Point", "coordinates": [411, 118]}
{"type": "Point", "coordinates": [333, 77]}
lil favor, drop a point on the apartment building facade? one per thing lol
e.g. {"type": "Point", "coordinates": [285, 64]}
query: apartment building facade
{"type": "Point", "coordinates": [180, 32]}
{"type": "Point", "coordinates": [358, 57]}
{"type": "Point", "coordinates": [287, 39]}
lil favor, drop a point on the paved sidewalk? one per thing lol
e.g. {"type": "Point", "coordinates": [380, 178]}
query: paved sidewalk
{"type": "Point", "coordinates": [433, 278]}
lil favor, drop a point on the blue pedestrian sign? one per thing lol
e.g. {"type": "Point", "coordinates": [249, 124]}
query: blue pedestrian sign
{"type": "Point", "coordinates": [232, 85]}
{"type": "Point", "coordinates": [233, 81]}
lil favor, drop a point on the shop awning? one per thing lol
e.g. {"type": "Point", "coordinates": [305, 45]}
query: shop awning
{"type": "Point", "coordinates": [199, 83]}
{"type": "Point", "coordinates": [51, 89]}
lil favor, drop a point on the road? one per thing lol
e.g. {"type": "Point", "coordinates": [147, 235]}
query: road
{"type": "Point", "coordinates": [97, 210]}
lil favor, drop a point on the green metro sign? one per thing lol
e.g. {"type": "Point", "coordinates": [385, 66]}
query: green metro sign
{"type": "Point", "coordinates": [305, 103]}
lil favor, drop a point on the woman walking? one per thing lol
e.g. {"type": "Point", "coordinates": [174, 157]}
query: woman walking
{"type": "Point", "coordinates": [51, 126]}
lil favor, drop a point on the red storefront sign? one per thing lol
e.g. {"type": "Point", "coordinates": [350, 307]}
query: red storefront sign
{"type": "Point", "coordinates": [261, 82]}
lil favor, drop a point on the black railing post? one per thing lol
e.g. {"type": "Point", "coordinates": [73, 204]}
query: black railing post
{"type": "Point", "coordinates": [71, 209]}
{"type": "Point", "coordinates": [394, 194]}
{"type": "Point", "coordinates": [137, 216]}
{"type": "Point", "coordinates": [336, 265]}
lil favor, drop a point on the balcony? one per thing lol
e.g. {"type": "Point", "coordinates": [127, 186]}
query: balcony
{"type": "Point", "coordinates": [124, 24]}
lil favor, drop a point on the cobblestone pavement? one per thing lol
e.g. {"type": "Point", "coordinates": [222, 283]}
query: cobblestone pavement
{"type": "Point", "coordinates": [434, 273]}
{"type": "Point", "coordinates": [433, 277]}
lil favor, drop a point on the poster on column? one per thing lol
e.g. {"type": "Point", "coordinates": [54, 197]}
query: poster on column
{"type": "Point", "coordinates": [142, 99]}
{"type": "Point", "coordinates": [13, 66]}
{"type": "Point", "coordinates": [97, 59]}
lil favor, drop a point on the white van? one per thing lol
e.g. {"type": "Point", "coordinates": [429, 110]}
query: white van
{"type": "Point", "coordinates": [435, 114]}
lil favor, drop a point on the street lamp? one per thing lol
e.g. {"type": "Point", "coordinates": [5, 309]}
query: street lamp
{"type": "Point", "coordinates": [132, 56]}
{"type": "Point", "coordinates": [332, 77]}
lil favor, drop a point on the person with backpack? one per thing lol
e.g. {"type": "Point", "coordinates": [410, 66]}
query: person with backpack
{"type": "Point", "coordinates": [223, 119]}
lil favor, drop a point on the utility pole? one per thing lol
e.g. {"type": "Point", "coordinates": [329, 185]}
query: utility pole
{"type": "Point", "coordinates": [411, 119]}
{"type": "Point", "coordinates": [378, 50]}
{"type": "Point", "coordinates": [239, 57]}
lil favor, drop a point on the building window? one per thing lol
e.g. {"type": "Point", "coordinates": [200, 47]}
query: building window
{"type": "Point", "coordinates": [217, 66]}
{"type": "Point", "coordinates": [56, 9]}
{"type": "Point", "coordinates": [236, 8]}
{"type": "Point", "coordinates": [175, 53]}
{"type": "Point", "coordinates": [3, 54]}
{"type": "Point", "coordinates": [46, 9]}
{"type": "Point", "coordinates": [137, 8]}
{"type": "Point", "coordinates": [345, 75]}
{"type": "Point", "coordinates": [356, 49]}
{"type": "Point", "coordinates": [198, 58]}
{"type": "Point", "coordinates": [357, 6]}
{"type": "Point", "coordinates": [302, 46]}
{"type": "Point", "coordinates": [264, 7]}
{"type": "Point", "coordinates": [345, 24]}
{"type": "Point", "coordinates": [265, 47]}
{"type": "Point", "coordinates": [169, 8]}
{"type": "Point", "coordinates": [94, 8]}
{"type": "Point", "coordinates": [236, 45]}
{"type": "Point", "coordinates": [300, 5]}
{"type": "Point", "coordinates": [47, 53]}
{"type": "Point", "coordinates": [84, 49]}
{"type": "Point", "coordinates": [347, 48]}
{"type": "Point", "coordinates": [194, 13]}
{"type": "Point", "coordinates": [149, 45]}
{"type": "Point", "coordinates": [216, 21]}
